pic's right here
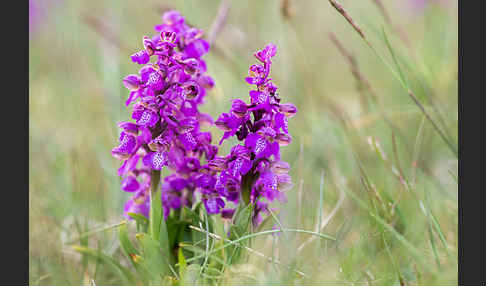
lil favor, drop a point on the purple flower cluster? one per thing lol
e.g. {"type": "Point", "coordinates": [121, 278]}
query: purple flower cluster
{"type": "Point", "coordinates": [253, 171]}
{"type": "Point", "coordinates": [166, 94]}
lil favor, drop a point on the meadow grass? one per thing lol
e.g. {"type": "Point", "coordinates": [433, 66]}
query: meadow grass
{"type": "Point", "coordinates": [374, 152]}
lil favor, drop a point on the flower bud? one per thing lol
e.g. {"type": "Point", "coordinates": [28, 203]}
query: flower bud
{"type": "Point", "coordinates": [172, 18]}
{"type": "Point", "coordinates": [267, 53]}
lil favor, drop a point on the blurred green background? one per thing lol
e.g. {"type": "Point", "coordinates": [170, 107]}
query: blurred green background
{"type": "Point", "coordinates": [79, 52]}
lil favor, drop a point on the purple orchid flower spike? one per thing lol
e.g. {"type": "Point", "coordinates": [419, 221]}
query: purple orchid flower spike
{"type": "Point", "coordinates": [253, 172]}
{"type": "Point", "coordinates": [165, 96]}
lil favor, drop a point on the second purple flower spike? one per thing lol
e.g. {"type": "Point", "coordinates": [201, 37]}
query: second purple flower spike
{"type": "Point", "coordinates": [253, 171]}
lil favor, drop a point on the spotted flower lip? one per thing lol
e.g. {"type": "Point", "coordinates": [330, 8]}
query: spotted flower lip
{"type": "Point", "coordinates": [165, 96]}
{"type": "Point", "coordinates": [145, 117]}
{"type": "Point", "coordinates": [261, 147]}
{"type": "Point", "coordinates": [127, 145]}
{"type": "Point", "coordinates": [155, 160]}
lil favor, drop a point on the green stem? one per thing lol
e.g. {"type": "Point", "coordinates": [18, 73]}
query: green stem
{"type": "Point", "coordinates": [154, 181]}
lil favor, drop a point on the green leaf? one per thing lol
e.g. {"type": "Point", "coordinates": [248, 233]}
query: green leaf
{"type": "Point", "coordinates": [122, 272]}
{"type": "Point", "coordinates": [412, 249]}
{"type": "Point", "coordinates": [133, 254]}
{"type": "Point", "coordinates": [140, 219]}
{"type": "Point", "coordinates": [242, 220]}
{"type": "Point", "coordinates": [191, 275]}
{"type": "Point", "coordinates": [266, 232]}
{"type": "Point", "coordinates": [200, 251]}
{"type": "Point", "coordinates": [403, 80]}
{"type": "Point", "coordinates": [156, 261]}
{"type": "Point", "coordinates": [182, 263]}
{"type": "Point", "coordinates": [158, 227]}
{"type": "Point", "coordinates": [125, 242]}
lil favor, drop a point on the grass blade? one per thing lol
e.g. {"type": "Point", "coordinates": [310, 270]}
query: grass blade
{"type": "Point", "coordinates": [125, 275]}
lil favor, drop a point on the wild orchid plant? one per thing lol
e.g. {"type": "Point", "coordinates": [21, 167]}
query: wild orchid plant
{"type": "Point", "coordinates": [166, 94]}
{"type": "Point", "coordinates": [166, 132]}
{"type": "Point", "coordinates": [253, 172]}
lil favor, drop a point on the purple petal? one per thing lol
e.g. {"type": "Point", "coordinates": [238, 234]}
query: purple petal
{"type": "Point", "coordinates": [141, 57]}
{"type": "Point", "coordinates": [132, 82]}
{"type": "Point", "coordinates": [127, 145]}
{"type": "Point", "coordinates": [206, 81]}
{"type": "Point", "coordinates": [281, 122]}
{"type": "Point", "coordinates": [178, 184]}
{"type": "Point", "coordinates": [240, 166]}
{"type": "Point", "coordinates": [132, 206]}
{"type": "Point", "coordinates": [258, 96]}
{"type": "Point", "coordinates": [130, 184]}
{"type": "Point", "coordinates": [132, 97]}
{"type": "Point", "coordinates": [267, 53]}
{"type": "Point", "coordinates": [283, 139]}
{"type": "Point", "coordinates": [280, 167]}
{"type": "Point", "coordinates": [288, 109]}
{"type": "Point", "coordinates": [214, 205]}
{"type": "Point", "coordinates": [155, 81]}
{"type": "Point", "coordinates": [128, 165]}
{"type": "Point", "coordinates": [258, 145]}
{"type": "Point", "coordinates": [197, 48]}
{"type": "Point", "coordinates": [155, 160]}
{"type": "Point", "coordinates": [145, 72]}
{"type": "Point", "coordinates": [145, 117]}
{"type": "Point", "coordinates": [227, 213]}
{"type": "Point", "coordinates": [129, 127]}
{"type": "Point", "coordinates": [188, 141]}
{"type": "Point", "coordinates": [239, 107]}
{"type": "Point", "coordinates": [205, 181]}
{"type": "Point", "coordinates": [172, 17]}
